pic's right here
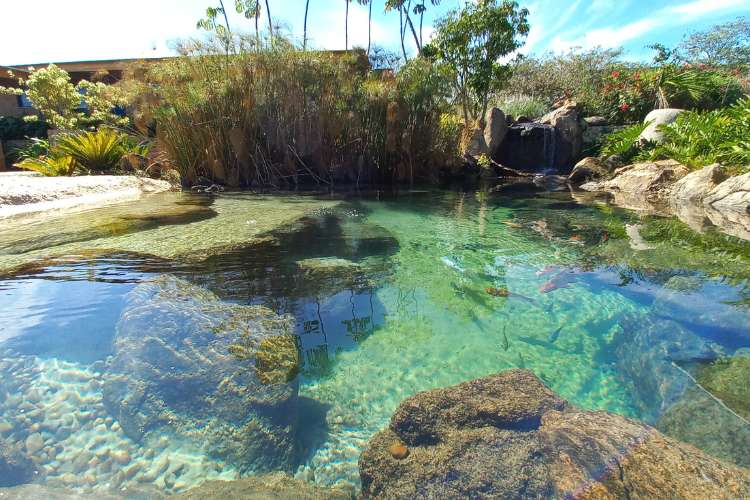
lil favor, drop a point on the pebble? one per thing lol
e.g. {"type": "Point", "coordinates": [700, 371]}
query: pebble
{"type": "Point", "coordinates": [34, 443]}
{"type": "Point", "coordinates": [399, 450]}
{"type": "Point", "coordinates": [122, 457]}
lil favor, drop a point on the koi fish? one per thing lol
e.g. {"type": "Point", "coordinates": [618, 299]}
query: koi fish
{"type": "Point", "coordinates": [506, 344]}
{"type": "Point", "coordinates": [555, 335]}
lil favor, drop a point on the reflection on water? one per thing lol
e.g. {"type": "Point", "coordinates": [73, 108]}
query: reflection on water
{"type": "Point", "coordinates": [385, 296]}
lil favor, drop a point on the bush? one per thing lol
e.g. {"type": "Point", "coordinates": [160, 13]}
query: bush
{"type": "Point", "coordinates": [623, 143]}
{"type": "Point", "coordinates": [631, 94]}
{"type": "Point", "coordinates": [50, 166]}
{"type": "Point", "coordinates": [698, 138]}
{"type": "Point", "coordinates": [576, 75]}
{"type": "Point", "coordinates": [16, 129]}
{"type": "Point", "coordinates": [520, 105]}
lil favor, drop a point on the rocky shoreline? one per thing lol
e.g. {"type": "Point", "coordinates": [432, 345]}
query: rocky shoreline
{"type": "Point", "coordinates": [23, 193]}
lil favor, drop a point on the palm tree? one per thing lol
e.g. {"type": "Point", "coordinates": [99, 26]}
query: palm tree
{"type": "Point", "coordinates": [420, 10]}
{"type": "Point", "coordinates": [304, 37]}
{"type": "Point", "coordinates": [369, 23]}
{"type": "Point", "coordinates": [398, 4]}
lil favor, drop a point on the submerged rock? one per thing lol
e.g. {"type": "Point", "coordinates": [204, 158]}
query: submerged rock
{"type": "Point", "coordinates": [509, 436]}
{"type": "Point", "coordinates": [265, 487]}
{"type": "Point", "coordinates": [218, 374]}
{"type": "Point", "coordinates": [15, 467]}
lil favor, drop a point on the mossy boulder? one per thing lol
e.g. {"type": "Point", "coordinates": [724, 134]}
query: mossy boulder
{"type": "Point", "coordinates": [220, 375]}
{"type": "Point", "coordinates": [729, 380]}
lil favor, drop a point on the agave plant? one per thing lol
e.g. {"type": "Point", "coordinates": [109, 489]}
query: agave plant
{"type": "Point", "coordinates": [95, 151]}
{"type": "Point", "coordinates": [50, 166]}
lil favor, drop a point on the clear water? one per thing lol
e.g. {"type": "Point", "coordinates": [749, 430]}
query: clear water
{"type": "Point", "coordinates": [389, 294]}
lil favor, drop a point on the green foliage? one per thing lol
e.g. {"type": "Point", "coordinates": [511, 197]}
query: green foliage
{"type": "Point", "coordinates": [94, 151]}
{"type": "Point", "coordinates": [577, 75]}
{"type": "Point", "coordinates": [623, 143]}
{"type": "Point", "coordinates": [698, 138]}
{"type": "Point", "coordinates": [13, 129]}
{"type": "Point", "coordinates": [520, 105]}
{"type": "Point", "coordinates": [471, 42]}
{"type": "Point", "coordinates": [50, 166]}
{"type": "Point", "coordinates": [53, 94]}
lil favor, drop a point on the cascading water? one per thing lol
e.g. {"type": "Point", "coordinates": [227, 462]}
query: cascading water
{"type": "Point", "coordinates": [550, 146]}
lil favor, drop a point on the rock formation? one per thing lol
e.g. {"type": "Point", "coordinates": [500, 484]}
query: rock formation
{"type": "Point", "coordinates": [509, 436]}
{"type": "Point", "coordinates": [15, 467]}
{"type": "Point", "coordinates": [221, 375]}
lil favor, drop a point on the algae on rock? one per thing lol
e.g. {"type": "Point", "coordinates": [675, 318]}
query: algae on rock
{"type": "Point", "coordinates": [175, 369]}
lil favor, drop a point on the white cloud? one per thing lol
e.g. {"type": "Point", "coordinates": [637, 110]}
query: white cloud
{"type": "Point", "coordinates": [699, 8]}
{"type": "Point", "coordinates": [607, 37]}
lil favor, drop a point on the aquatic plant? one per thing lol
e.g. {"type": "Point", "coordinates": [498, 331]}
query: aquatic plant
{"type": "Point", "coordinates": [273, 114]}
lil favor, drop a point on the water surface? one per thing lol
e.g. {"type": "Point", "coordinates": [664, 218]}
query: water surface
{"type": "Point", "coordinates": [388, 294]}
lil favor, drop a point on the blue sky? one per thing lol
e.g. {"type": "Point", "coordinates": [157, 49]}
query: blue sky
{"type": "Point", "coordinates": [67, 30]}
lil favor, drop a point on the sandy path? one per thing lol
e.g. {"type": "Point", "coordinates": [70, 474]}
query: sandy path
{"type": "Point", "coordinates": [27, 192]}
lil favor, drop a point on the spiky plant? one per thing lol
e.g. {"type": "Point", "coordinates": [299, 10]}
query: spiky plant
{"type": "Point", "coordinates": [50, 166]}
{"type": "Point", "coordinates": [95, 151]}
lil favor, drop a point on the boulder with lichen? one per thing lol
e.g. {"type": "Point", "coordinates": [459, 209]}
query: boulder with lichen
{"type": "Point", "coordinates": [509, 436]}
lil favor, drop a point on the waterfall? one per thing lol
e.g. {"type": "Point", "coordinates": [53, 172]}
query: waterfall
{"type": "Point", "coordinates": [550, 146]}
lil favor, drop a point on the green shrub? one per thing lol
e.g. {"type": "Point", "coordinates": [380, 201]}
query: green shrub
{"type": "Point", "coordinates": [623, 143]}
{"type": "Point", "coordinates": [14, 129]}
{"type": "Point", "coordinates": [521, 105]}
{"type": "Point", "coordinates": [699, 138]}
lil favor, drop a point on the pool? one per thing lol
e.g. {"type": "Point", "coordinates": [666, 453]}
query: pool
{"type": "Point", "coordinates": [148, 347]}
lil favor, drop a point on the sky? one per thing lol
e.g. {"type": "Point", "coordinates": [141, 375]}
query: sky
{"type": "Point", "coordinates": [40, 31]}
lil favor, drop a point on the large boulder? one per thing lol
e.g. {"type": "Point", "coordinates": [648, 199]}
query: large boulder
{"type": "Point", "coordinates": [731, 195]}
{"type": "Point", "coordinates": [265, 487]}
{"type": "Point", "coordinates": [650, 180]}
{"type": "Point", "coordinates": [529, 147]}
{"type": "Point", "coordinates": [694, 187]}
{"type": "Point", "coordinates": [569, 132]}
{"type": "Point", "coordinates": [655, 119]}
{"type": "Point", "coordinates": [586, 170]}
{"type": "Point", "coordinates": [495, 129]}
{"type": "Point", "coordinates": [509, 436]}
{"type": "Point", "coordinates": [219, 375]}
{"type": "Point", "coordinates": [15, 467]}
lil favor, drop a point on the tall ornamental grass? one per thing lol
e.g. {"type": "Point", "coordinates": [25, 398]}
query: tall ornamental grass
{"type": "Point", "coordinates": [279, 116]}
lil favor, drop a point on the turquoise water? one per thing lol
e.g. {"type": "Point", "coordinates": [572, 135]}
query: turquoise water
{"type": "Point", "coordinates": [385, 295]}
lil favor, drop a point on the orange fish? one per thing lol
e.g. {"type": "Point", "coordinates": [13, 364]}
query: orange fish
{"type": "Point", "coordinates": [497, 292]}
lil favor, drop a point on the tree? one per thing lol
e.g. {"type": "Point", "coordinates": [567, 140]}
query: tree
{"type": "Point", "coordinates": [472, 42]}
{"type": "Point", "coordinates": [270, 23]}
{"type": "Point", "coordinates": [346, 26]}
{"type": "Point", "coordinates": [369, 24]}
{"type": "Point", "coordinates": [419, 10]}
{"type": "Point", "coordinates": [67, 106]}
{"type": "Point", "coordinates": [726, 44]}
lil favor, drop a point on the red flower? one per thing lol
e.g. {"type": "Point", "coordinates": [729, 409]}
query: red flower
{"type": "Point", "coordinates": [616, 74]}
{"type": "Point", "coordinates": [624, 107]}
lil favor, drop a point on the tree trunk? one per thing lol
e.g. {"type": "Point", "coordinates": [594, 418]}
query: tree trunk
{"type": "Point", "coordinates": [346, 27]}
{"type": "Point", "coordinates": [304, 39]}
{"type": "Point", "coordinates": [401, 30]}
{"type": "Point", "coordinates": [270, 24]}
{"type": "Point", "coordinates": [369, 29]}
